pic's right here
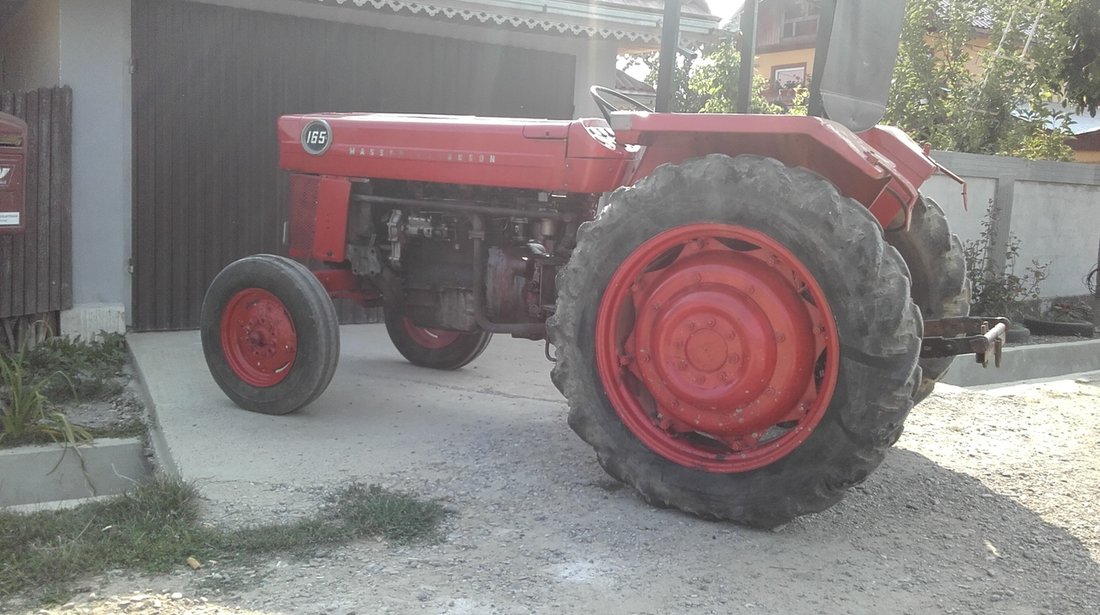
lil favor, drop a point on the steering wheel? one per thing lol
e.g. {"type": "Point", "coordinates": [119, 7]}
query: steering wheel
{"type": "Point", "coordinates": [606, 108]}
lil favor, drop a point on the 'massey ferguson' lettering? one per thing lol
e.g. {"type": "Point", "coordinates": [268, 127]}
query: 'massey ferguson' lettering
{"type": "Point", "coordinates": [431, 155]}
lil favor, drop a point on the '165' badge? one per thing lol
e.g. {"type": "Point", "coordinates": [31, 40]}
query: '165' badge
{"type": "Point", "coordinates": [317, 137]}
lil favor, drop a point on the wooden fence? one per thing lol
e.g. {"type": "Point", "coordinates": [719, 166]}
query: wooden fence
{"type": "Point", "coordinates": [36, 266]}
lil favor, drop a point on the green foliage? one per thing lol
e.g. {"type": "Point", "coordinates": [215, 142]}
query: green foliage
{"type": "Point", "coordinates": [155, 528]}
{"type": "Point", "coordinates": [58, 369]}
{"type": "Point", "coordinates": [716, 82]}
{"type": "Point", "coordinates": [92, 367]}
{"type": "Point", "coordinates": [997, 101]}
{"type": "Point", "coordinates": [997, 290]}
{"type": "Point", "coordinates": [708, 84]}
{"type": "Point", "coordinates": [1081, 64]}
{"type": "Point", "coordinates": [26, 413]}
{"type": "Point", "coordinates": [947, 92]}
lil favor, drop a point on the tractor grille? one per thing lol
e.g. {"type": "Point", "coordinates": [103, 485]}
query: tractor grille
{"type": "Point", "coordinates": [303, 214]}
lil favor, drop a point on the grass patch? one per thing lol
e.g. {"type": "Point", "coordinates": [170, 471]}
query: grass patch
{"type": "Point", "coordinates": [26, 413]}
{"type": "Point", "coordinates": [92, 368]}
{"type": "Point", "coordinates": [35, 380]}
{"type": "Point", "coordinates": [155, 529]}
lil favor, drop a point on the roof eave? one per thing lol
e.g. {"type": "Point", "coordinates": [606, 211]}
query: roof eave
{"type": "Point", "coordinates": [590, 20]}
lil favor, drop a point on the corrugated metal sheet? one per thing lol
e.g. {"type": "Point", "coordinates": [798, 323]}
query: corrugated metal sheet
{"type": "Point", "coordinates": [8, 9]}
{"type": "Point", "coordinates": [209, 83]}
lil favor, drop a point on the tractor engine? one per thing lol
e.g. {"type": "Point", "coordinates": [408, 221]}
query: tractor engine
{"type": "Point", "coordinates": [428, 248]}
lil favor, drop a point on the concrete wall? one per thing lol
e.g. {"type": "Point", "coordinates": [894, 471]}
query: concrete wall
{"type": "Point", "coordinates": [1053, 208]}
{"type": "Point", "coordinates": [29, 47]}
{"type": "Point", "coordinates": [95, 62]}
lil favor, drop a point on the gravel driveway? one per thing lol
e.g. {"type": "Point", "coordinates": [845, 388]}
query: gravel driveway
{"type": "Point", "coordinates": [990, 503]}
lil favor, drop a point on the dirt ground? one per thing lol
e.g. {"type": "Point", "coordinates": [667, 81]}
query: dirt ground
{"type": "Point", "coordinates": [990, 503]}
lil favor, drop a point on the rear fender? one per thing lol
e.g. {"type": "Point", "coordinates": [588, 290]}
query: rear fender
{"type": "Point", "coordinates": [888, 188]}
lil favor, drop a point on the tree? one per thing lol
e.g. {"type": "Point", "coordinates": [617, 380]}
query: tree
{"type": "Point", "coordinates": [947, 91]}
{"type": "Point", "coordinates": [1081, 65]}
{"type": "Point", "coordinates": [996, 101]}
{"type": "Point", "coordinates": [709, 83]}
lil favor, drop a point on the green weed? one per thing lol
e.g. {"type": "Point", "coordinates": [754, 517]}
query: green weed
{"type": "Point", "coordinates": [155, 528]}
{"type": "Point", "coordinates": [999, 290]}
{"type": "Point", "coordinates": [26, 413]}
{"type": "Point", "coordinates": [93, 367]}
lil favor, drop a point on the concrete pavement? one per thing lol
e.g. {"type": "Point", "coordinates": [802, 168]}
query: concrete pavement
{"type": "Point", "coordinates": [379, 417]}
{"type": "Point", "coordinates": [382, 420]}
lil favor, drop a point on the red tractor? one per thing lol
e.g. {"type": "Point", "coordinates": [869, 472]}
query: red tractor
{"type": "Point", "coordinates": [737, 302]}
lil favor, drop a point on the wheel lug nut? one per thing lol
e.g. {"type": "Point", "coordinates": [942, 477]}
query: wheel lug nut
{"type": "Point", "coordinates": [691, 325]}
{"type": "Point", "coordinates": [711, 322]}
{"type": "Point", "coordinates": [780, 337]}
{"type": "Point", "coordinates": [734, 358]}
{"type": "Point", "coordinates": [682, 364]}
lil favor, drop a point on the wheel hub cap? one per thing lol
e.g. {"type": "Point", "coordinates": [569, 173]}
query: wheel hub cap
{"type": "Point", "coordinates": [716, 347]}
{"type": "Point", "coordinates": [258, 337]}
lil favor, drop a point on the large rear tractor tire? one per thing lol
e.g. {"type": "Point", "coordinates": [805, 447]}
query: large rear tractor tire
{"type": "Point", "coordinates": [735, 339]}
{"type": "Point", "coordinates": [270, 334]}
{"type": "Point", "coordinates": [937, 272]}
{"type": "Point", "coordinates": [433, 348]}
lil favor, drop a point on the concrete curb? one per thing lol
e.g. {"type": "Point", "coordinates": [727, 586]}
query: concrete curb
{"type": "Point", "coordinates": [52, 472]}
{"type": "Point", "coordinates": [1028, 363]}
{"type": "Point", "coordinates": [161, 451]}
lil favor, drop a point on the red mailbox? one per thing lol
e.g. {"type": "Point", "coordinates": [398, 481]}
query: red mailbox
{"type": "Point", "coordinates": [13, 164]}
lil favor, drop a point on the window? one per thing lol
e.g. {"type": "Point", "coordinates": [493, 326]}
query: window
{"type": "Point", "coordinates": [800, 18]}
{"type": "Point", "coordinates": [789, 76]}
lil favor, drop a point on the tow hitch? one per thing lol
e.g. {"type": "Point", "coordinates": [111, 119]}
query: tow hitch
{"type": "Point", "coordinates": [977, 335]}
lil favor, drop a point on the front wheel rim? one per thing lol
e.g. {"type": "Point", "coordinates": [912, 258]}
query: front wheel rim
{"type": "Point", "coordinates": [258, 338]}
{"type": "Point", "coordinates": [717, 347]}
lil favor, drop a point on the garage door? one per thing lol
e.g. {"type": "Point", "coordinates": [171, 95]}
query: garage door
{"type": "Point", "coordinates": [208, 84]}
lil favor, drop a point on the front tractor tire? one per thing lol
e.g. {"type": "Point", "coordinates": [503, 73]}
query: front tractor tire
{"type": "Point", "coordinates": [735, 339]}
{"type": "Point", "coordinates": [270, 334]}
{"type": "Point", "coordinates": [433, 348]}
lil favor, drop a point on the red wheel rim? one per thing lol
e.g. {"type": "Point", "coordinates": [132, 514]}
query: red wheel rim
{"type": "Point", "coordinates": [427, 337]}
{"type": "Point", "coordinates": [258, 337]}
{"type": "Point", "coordinates": [717, 347]}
